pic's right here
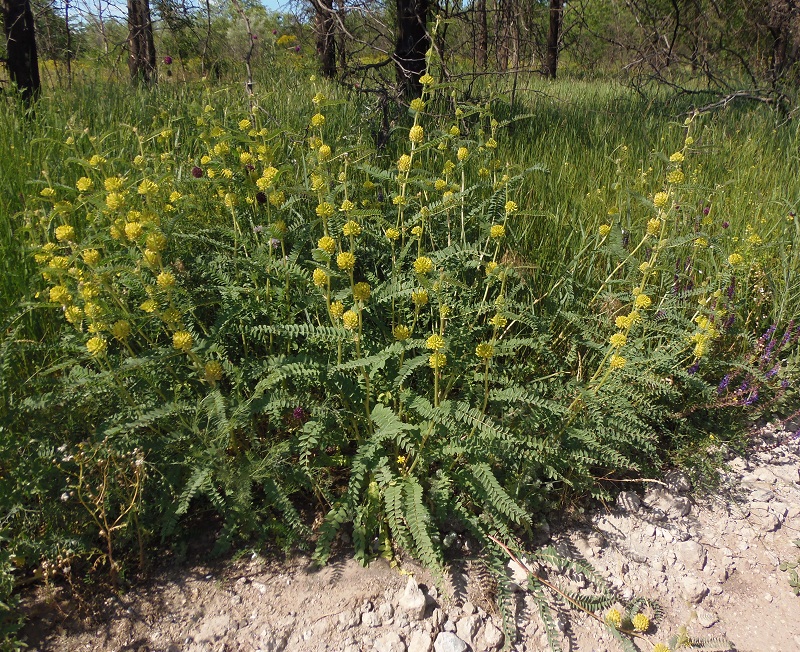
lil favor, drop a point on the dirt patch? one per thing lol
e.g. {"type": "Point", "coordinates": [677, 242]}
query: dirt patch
{"type": "Point", "coordinates": [713, 565]}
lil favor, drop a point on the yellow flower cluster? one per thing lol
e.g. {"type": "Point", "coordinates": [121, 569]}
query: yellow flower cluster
{"type": "Point", "coordinates": [618, 340]}
{"type": "Point", "coordinates": [351, 228]}
{"type": "Point", "coordinates": [327, 244]}
{"type": "Point", "coordinates": [437, 360]}
{"type": "Point", "coordinates": [419, 297]}
{"type": "Point", "coordinates": [641, 623]}
{"type": "Point", "coordinates": [435, 343]}
{"type": "Point", "coordinates": [401, 333]}
{"type": "Point", "coordinates": [404, 163]}
{"type": "Point", "coordinates": [423, 265]}
{"type": "Point", "coordinates": [361, 291]}
{"type": "Point", "coordinates": [182, 340]}
{"type": "Point", "coordinates": [497, 231]}
{"type": "Point", "coordinates": [604, 230]}
{"type": "Point", "coordinates": [346, 261]}
{"type": "Point", "coordinates": [416, 134]}
{"type": "Point", "coordinates": [392, 234]}
{"type": "Point", "coordinates": [350, 320]}
{"type": "Point", "coordinates": [642, 302]}
{"type": "Point", "coordinates": [653, 226]}
{"type": "Point", "coordinates": [337, 309]}
{"type": "Point", "coordinates": [484, 350]}
{"type": "Point", "coordinates": [660, 199]}
{"type": "Point", "coordinates": [320, 277]}
{"type": "Point", "coordinates": [213, 371]}
{"type": "Point", "coordinates": [614, 618]}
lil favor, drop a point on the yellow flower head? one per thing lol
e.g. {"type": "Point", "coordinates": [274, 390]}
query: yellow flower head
{"type": "Point", "coordinates": [676, 176]}
{"type": "Point", "coordinates": [604, 230]}
{"type": "Point", "coordinates": [644, 267]}
{"type": "Point", "coordinates": [84, 184]}
{"type": "Point", "coordinates": [325, 209]}
{"type": "Point", "coordinates": [700, 242]}
{"type": "Point", "coordinates": [426, 80]}
{"type": "Point", "coordinates": [484, 350]}
{"type": "Point", "coordinates": [735, 259]}
{"type": "Point", "coordinates": [497, 231]}
{"type": "Point", "coordinates": [60, 294]}
{"type": "Point", "coordinates": [351, 229]}
{"type": "Point", "coordinates": [337, 309]}
{"type": "Point", "coordinates": [417, 231]}
{"type": "Point", "coordinates": [277, 198]}
{"type": "Point", "coordinates": [423, 265]}
{"type": "Point", "coordinates": [435, 343]}
{"type": "Point", "coordinates": [416, 134]}
{"type": "Point", "coordinates": [47, 192]}
{"type": "Point", "coordinates": [320, 277]}
{"type": "Point", "coordinates": [96, 160]}
{"type": "Point", "coordinates": [622, 322]}
{"type": "Point", "coordinates": [392, 234]}
{"type": "Point", "coordinates": [346, 261]}
{"type": "Point", "coordinates": [361, 291]}
{"type": "Point", "coordinates": [642, 302]}
{"type": "Point", "coordinates": [346, 206]}
{"type": "Point", "coordinates": [91, 256]}
{"type": "Point", "coordinates": [511, 207]}
{"type": "Point", "coordinates": [213, 371]}
{"type": "Point", "coordinates": [641, 623]}
{"type": "Point", "coordinates": [660, 199]}
{"type": "Point", "coordinates": [660, 647]}
{"type": "Point", "coordinates": [65, 233]}
{"type": "Point", "coordinates": [653, 226]}
{"type": "Point", "coordinates": [133, 230]}
{"type": "Point", "coordinates": [350, 320]}
{"type": "Point", "coordinates": [677, 157]}
{"type": "Point", "coordinates": [149, 306]}
{"type": "Point", "coordinates": [182, 340]}
{"type": "Point", "coordinates": [59, 262]}
{"type": "Point", "coordinates": [113, 184]}
{"type": "Point", "coordinates": [498, 321]}
{"type": "Point", "coordinates": [401, 333]}
{"type": "Point", "coordinates": [121, 329]}
{"type": "Point", "coordinates": [614, 618]}
{"type": "Point", "coordinates": [96, 345]}
{"type": "Point", "coordinates": [324, 152]}
{"type": "Point", "coordinates": [462, 154]}
{"type": "Point", "coordinates": [419, 297]}
{"type": "Point", "coordinates": [490, 267]}
{"type": "Point", "coordinates": [437, 360]}
{"type": "Point", "coordinates": [491, 144]}
{"type": "Point", "coordinates": [404, 163]}
{"type": "Point", "coordinates": [73, 315]}
{"type": "Point", "coordinates": [317, 120]}
{"type": "Point", "coordinates": [147, 187]}
{"type": "Point", "coordinates": [617, 362]}
{"type": "Point", "coordinates": [417, 104]}
{"type": "Point", "coordinates": [454, 131]}
{"type": "Point", "coordinates": [156, 241]}
{"type": "Point", "coordinates": [618, 340]}
{"type": "Point", "coordinates": [327, 244]}
{"type": "Point", "coordinates": [165, 280]}
{"type": "Point", "coordinates": [114, 201]}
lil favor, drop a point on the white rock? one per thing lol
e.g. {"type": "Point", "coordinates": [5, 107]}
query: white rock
{"type": "Point", "coordinates": [706, 618]}
{"type": "Point", "coordinates": [468, 608]}
{"type": "Point", "coordinates": [390, 642]}
{"type": "Point", "coordinates": [412, 601]}
{"type": "Point", "coordinates": [693, 589]}
{"type": "Point", "coordinates": [761, 496]}
{"type": "Point", "coordinates": [491, 637]}
{"type": "Point", "coordinates": [678, 482]}
{"type": "Point", "coordinates": [420, 641]}
{"type": "Point", "coordinates": [447, 642]}
{"type": "Point", "coordinates": [692, 554]}
{"type": "Point", "coordinates": [386, 611]}
{"type": "Point", "coordinates": [467, 627]}
{"type": "Point", "coordinates": [629, 501]}
{"type": "Point", "coordinates": [370, 619]}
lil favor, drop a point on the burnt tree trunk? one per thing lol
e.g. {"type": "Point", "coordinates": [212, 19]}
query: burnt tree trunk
{"type": "Point", "coordinates": [325, 36]}
{"type": "Point", "coordinates": [553, 37]}
{"type": "Point", "coordinates": [141, 50]}
{"type": "Point", "coordinates": [412, 44]}
{"type": "Point", "coordinates": [23, 61]}
{"type": "Point", "coordinates": [483, 36]}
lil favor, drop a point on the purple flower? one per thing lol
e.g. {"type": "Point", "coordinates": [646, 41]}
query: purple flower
{"type": "Point", "coordinates": [167, 60]}
{"type": "Point", "coordinates": [723, 384]}
{"type": "Point", "coordinates": [297, 48]}
{"type": "Point", "coordinates": [785, 384]}
{"type": "Point", "coordinates": [197, 172]}
{"type": "Point", "coordinates": [728, 322]}
{"type": "Point", "coordinates": [773, 372]}
{"type": "Point", "coordinates": [275, 242]}
{"type": "Point", "coordinates": [258, 228]}
{"type": "Point", "coordinates": [725, 224]}
{"type": "Point", "coordinates": [274, 32]}
{"type": "Point", "coordinates": [732, 288]}
{"type": "Point", "coordinates": [693, 369]}
{"type": "Point", "coordinates": [261, 197]}
{"type": "Point", "coordinates": [752, 398]}
{"type": "Point", "coordinates": [788, 334]}
{"type": "Point", "coordinates": [706, 210]}
{"type": "Point", "coordinates": [299, 413]}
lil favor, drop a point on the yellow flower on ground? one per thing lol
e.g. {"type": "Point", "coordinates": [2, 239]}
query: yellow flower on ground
{"type": "Point", "coordinates": [65, 232]}
{"type": "Point", "coordinates": [347, 205]}
{"type": "Point", "coordinates": [614, 618]}
{"type": "Point", "coordinates": [361, 291]}
{"type": "Point", "coordinates": [644, 267]}
{"type": "Point", "coordinates": [399, 200]}
{"type": "Point", "coordinates": [426, 80]}
{"type": "Point", "coordinates": [114, 201]}
{"type": "Point", "coordinates": [462, 154]}
{"type": "Point", "coordinates": [498, 321]}
{"type": "Point", "coordinates": [642, 301]}
{"type": "Point", "coordinates": [73, 315]}
{"type": "Point", "coordinates": [700, 242]}
{"type": "Point", "coordinates": [735, 259]}
{"type": "Point", "coordinates": [96, 160]}
{"type": "Point", "coordinates": [96, 345]}
{"type": "Point", "coordinates": [121, 329]}
{"type": "Point", "coordinates": [165, 280]}
{"type": "Point", "coordinates": [404, 163]}
{"type": "Point", "coordinates": [351, 228]}
{"type": "Point", "coordinates": [622, 322]}
{"type": "Point", "coordinates": [660, 199]}
{"type": "Point", "coordinates": [641, 623]}
{"type": "Point", "coordinates": [511, 207]}
{"type": "Point", "coordinates": [490, 267]}
{"type": "Point", "coordinates": [618, 340]}
{"type": "Point", "coordinates": [320, 278]}
{"type": "Point", "coordinates": [149, 306]}
{"type": "Point", "coordinates": [419, 297]}
{"type": "Point", "coordinates": [491, 144]}
{"type": "Point", "coordinates": [435, 343]}
{"type": "Point", "coordinates": [423, 265]}
{"type": "Point", "coordinates": [47, 192]}
{"type": "Point", "coordinates": [91, 256]}
{"type": "Point", "coordinates": [417, 231]}
{"type": "Point", "coordinates": [350, 320]}
{"type": "Point", "coordinates": [617, 362]}
{"type": "Point", "coordinates": [324, 152]}
{"type": "Point", "coordinates": [653, 226]}
{"type": "Point", "coordinates": [401, 333]}
{"type": "Point", "coordinates": [182, 340]}
{"type": "Point", "coordinates": [133, 230]}
{"type": "Point", "coordinates": [277, 198]}
{"type": "Point", "coordinates": [60, 294]}
{"type": "Point", "coordinates": [497, 231]}
{"type": "Point", "coordinates": [147, 187]}
{"type": "Point", "coordinates": [325, 209]}
{"type": "Point", "coordinates": [754, 239]}
{"type": "Point", "coordinates": [604, 230]}
{"type": "Point", "coordinates": [112, 184]}
{"type": "Point", "coordinates": [59, 262]}
{"type": "Point", "coordinates": [327, 244]}
{"type": "Point", "coordinates": [484, 350]}
{"type": "Point", "coordinates": [317, 120]}
{"type": "Point", "coordinates": [677, 157]}
{"type": "Point", "coordinates": [676, 176]}
{"type": "Point", "coordinates": [416, 134]}
{"type": "Point", "coordinates": [156, 241]}
{"type": "Point", "coordinates": [454, 131]}
{"type": "Point", "coordinates": [84, 184]}
{"type": "Point", "coordinates": [346, 261]}
{"type": "Point", "coordinates": [660, 647]}
{"type": "Point", "coordinates": [437, 360]}
{"type": "Point", "coordinates": [417, 104]}
{"type": "Point", "coordinates": [392, 234]}
{"type": "Point", "coordinates": [439, 185]}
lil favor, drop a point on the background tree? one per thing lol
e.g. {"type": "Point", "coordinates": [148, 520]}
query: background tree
{"type": "Point", "coordinates": [21, 55]}
{"type": "Point", "coordinates": [413, 42]}
{"type": "Point", "coordinates": [141, 49]}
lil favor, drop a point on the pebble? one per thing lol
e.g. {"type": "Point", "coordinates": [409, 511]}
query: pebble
{"type": "Point", "coordinates": [412, 601]}
{"type": "Point", "coordinates": [390, 642]}
{"type": "Point", "coordinates": [420, 641]}
{"type": "Point", "coordinates": [706, 618]}
{"type": "Point", "coordinates": [448, 642]}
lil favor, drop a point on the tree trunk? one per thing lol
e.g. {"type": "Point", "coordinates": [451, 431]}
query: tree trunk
{"type": "Point", "coordinates": [325, 36]}
{"type": "Point", "coordinates": [141, 50]}
{"type": "Point", "coordinates": [483, 36]}
{"type": "Point", "coordinates": [412, 44]}
{"type": "Point", "coordinates": [553, 37]}
{"type": "Point", "coordinates": [23, 62]}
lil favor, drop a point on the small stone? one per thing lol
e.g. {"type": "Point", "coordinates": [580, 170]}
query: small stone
{"type": "Point", "coordinates": [448, 642]}
{"type": "Point", "coordinates": [468, 608]}
{"type": "Point", "coordinates": [706, 618]}
{"type": "Point", "coordinates": [386, 611]}
{"type": "Point", "coordinates": [491, 637]}
{"type": "Point", "coordinates": [678, 482]}
{"type": "Point", "coordinates": [467, 627]}
{"type": "Point", "coordinates": [390, 642]}
{"type": "Point", "coordinates": [629, 501]}
{"type": "Point", "coordinates": [420, 642]}
{"type": "Point", "coordinates": [768, 597]}
{"type": "Point", "coordinates": [692, 554]}
{"type": "Point", "coordinates": [412, 601]}
{"type": "Point", "coordinates": [693, 589]}
{"type": "Point", "coordinates": [761, 496]}
{"type": "Point", "coordinates": [370, 619]}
